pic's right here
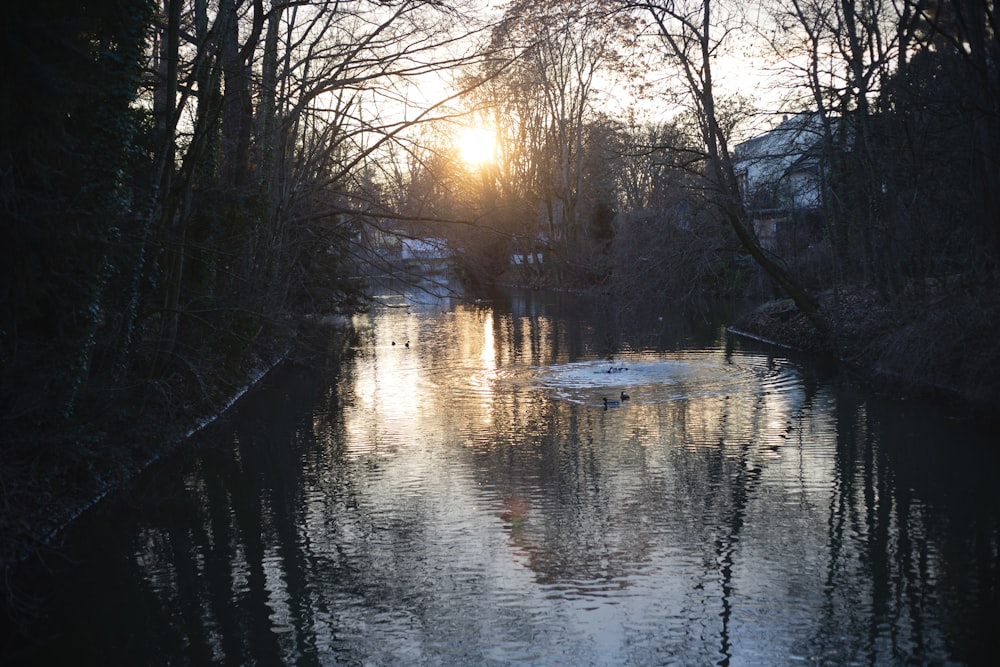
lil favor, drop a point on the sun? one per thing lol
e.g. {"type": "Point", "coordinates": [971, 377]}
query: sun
{"type": "Point", "coordinates": [477, 146]}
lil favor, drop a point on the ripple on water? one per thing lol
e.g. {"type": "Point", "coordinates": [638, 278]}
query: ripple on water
{"type": "Point", "coordinates": [661, 378]}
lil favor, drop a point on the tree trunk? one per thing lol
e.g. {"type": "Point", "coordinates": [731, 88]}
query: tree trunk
{"type": "Point", "coordinates": [237, 109]}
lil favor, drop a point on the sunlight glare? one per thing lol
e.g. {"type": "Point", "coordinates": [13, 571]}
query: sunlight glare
{"type": "Point", "coordinates": [477, 145]}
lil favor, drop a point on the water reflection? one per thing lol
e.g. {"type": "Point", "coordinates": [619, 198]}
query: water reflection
{"type": "Point", "coordinates": [467, 500]}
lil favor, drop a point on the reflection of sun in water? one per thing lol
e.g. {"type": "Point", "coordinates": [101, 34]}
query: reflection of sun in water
{"type": "Point", "coordinates": [477, 146]}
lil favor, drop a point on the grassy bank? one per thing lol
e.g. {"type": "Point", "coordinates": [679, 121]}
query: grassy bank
{"type": "Point", "coordinates": [943, 347]}
{"type": "Point", "coordinates": [52, 473]}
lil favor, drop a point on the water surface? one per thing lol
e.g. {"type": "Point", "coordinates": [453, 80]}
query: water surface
{"type": "Point", "coordinates": [468, 500]}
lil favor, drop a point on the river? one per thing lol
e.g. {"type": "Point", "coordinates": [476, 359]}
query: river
{"type": "Point", "coordinates": [454, 491]}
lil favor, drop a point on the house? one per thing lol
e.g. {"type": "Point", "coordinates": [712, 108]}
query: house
{"type": "Point", "coordinates": [780, 175]}
{"type": "Point", "coordinates": [428, 254]}
{"type": "Point", "coordinates": [529, 250]}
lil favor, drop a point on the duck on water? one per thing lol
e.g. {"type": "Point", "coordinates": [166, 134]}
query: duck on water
{"type": "Point", "coordinates": [614, 403]}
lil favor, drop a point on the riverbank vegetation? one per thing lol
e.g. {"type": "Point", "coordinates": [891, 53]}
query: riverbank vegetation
{"type": "Point", "coordinates": [183, 181]}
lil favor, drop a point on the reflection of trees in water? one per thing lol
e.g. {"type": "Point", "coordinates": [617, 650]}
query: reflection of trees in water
{"type": "Point", "coordinates": [587, 532]}
{"type": "Point", "coordinates": [287, 556]}
{"type": "Point", "coordinates": [741, 486]}
{"type": "Point", "coordinates": [907, 527]}
{"type": "Point", "coordinates": [231, 563]}
{"type": "Point", "coordinates": [591, 522]}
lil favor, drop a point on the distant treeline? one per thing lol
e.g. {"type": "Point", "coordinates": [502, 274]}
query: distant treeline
{"type": "Point", "coordinates": [178, 177]}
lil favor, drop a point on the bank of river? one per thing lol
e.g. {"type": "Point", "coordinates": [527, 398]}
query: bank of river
{"type": "Point", "coordinates": [947, 352]}
{"type": "Point", "coordinates": [43, 497]}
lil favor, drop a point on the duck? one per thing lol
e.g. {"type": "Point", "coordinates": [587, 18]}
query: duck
{"type": "Point", "coordinates": [625, 396]}
{"type": "Point", "coordinates": [610, 404]}
{"type": "Point", "coordinates": [407, 343]}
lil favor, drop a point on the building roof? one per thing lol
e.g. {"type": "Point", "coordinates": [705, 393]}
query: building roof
{"type": "Point", "coordinates": [793, 138]}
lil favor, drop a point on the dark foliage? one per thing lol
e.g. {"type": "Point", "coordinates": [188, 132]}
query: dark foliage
{"type": "Point", "coordinates": [70, 72]}
{"type": "Point", "coordinates": [143, 274]}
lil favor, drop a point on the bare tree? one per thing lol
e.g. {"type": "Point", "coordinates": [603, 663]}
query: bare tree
{"type": "Point", "coordinates": [693, 34]}
{"type": "Point", "coordinates": [559, 54]}
{"type": "Point", "coordinates": [278, 105]}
